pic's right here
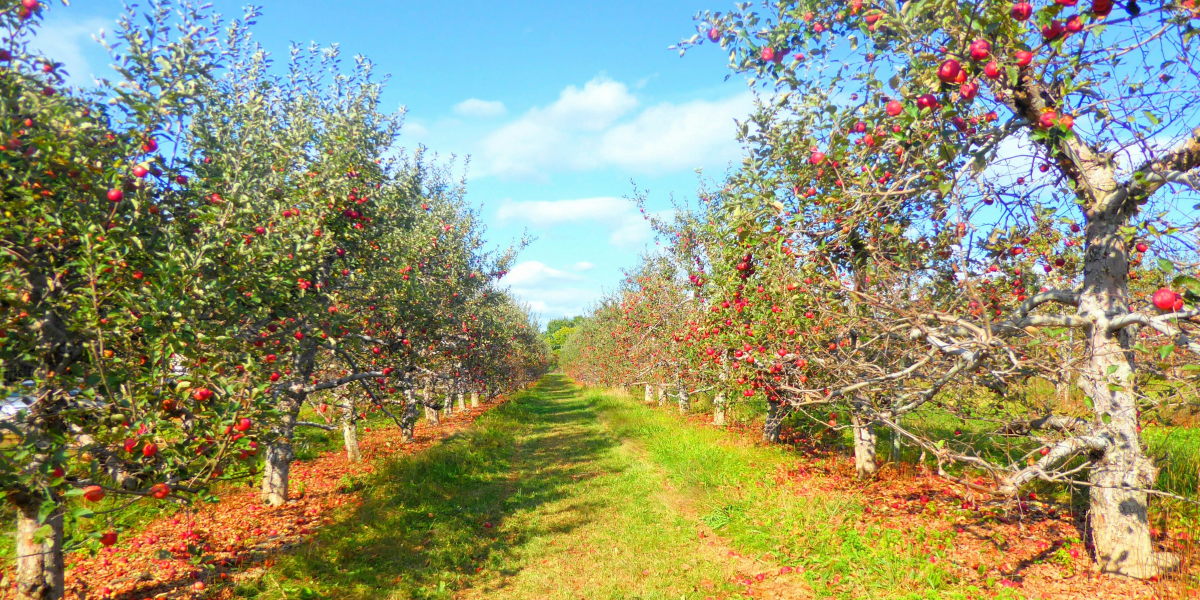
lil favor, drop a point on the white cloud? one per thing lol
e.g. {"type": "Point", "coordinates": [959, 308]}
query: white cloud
{"type": "Point", "coordinates": [598, 126]}
{"type": "Point", "coordinates": [64, 41]}
{"type": "Point", "coordinates": [627, 227]}
{"type": "Point", "coordinates": [548, 291]}
{"type": "Point", "coordinates": [583, 266]}
{"type": "Point", "coordinates": [534, 273]}
{"type": "Point", "coordinates": [480, 109]}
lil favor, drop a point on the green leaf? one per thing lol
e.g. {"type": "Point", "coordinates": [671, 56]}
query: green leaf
{"type": "Point", "coordinates": [1165, 351]}
{"type": "Point", "coordinates": [1166, 266]}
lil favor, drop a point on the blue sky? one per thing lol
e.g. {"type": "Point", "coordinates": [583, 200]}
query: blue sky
{"type": "Point", "coordinates": [559, 105]}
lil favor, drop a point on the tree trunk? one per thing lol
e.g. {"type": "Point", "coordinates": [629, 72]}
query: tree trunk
{"type": "Point", "coordinates": [462, 404]}
{"type": "Point", "coordinates": [649, 394]}
{"type": "Point", "coordinates": [279, 455]}
{"type": "Point", "coordinates": [719, 400]}
{"type": "Point", "coordinates": [1120, 529]}
{"type": "Point", "coordinates": [776, 413]}
{"type": "Point", "coordinates": [39, 573]}
{"type": "Point", "coordinates": [662, 395]}
{"type": "Point", "coordinates": [684, 404]}
{"type": "Point", "coordinates": [448, 404]}
{"type": "Point", "coordinates": [865, 441]}
{"type": "Point", "coordinates": [350, 430]}
{"type": "Point", "coordinates": [431, 414]}
{"type": "Point", "coordinates": [408, 420]}
{"type": "Point", "coordinates": [474, 399]}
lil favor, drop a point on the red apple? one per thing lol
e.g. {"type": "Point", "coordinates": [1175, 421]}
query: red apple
{"type": "Point", "coordinates": [202, 394]}
{"type": "Point", "coordinates": [1024, 57]}
{"type": "Point", "coordinates": [140, 172]}
{"type": "Point", "coordinates": [767, 53]}
{"type": "Point", "coordinates": [299, 335]}
{"type": "Point", "coordinates": [243, 425]}
{"type": "Point", "coordinates": [1164, 299]}
{"type": "Point", "coordinates": [1022, 10]}
{"type": "Point", "coordinates": [1101, 8]}
{"type": "Point", "coordinates": [894, 108]}
{"type": "Point", "coordinates": [714, 34]}
{"type": "Point", "coordinates": [149, 450]}
{"type": "Point", "coordinates": [1048, 119]}
{"type": "Point", "coordinates": [949, 71]}
{"type": "Point", "coordinates": [115, 195]}
{"type": "Point", "coordinates": [991, 70]}
{"type": "Point", "coordinates": [150, 146]}
{"type": "Point", "coordinates": [1067, 121]}
{"type": "Point", "coordinates": [109, 538]}
{"type": "Point", "coordinates": [816, 158]}
{"type": "Point", "coordinates": [1142, 247]}
{"type": "Point", "coordinates": [1052, 31]}
{"type": "Point", "coordinates": [160, 490]}
{"type": "Point", "coordinates": [927, 101]}
{"type": "Point", "coordinates": [980, 49]}
{"type": "Point", "coordinates": [969, 90]}
{"type": "Point", "coordinates": [274, 377]}
{"type": "Point", "coordinates": [93, 493]}
{"type": "Point", "coordinates": [1074, 24]}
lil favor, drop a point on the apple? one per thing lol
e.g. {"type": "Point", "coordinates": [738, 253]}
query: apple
{"type": "Point", "coordinates": [1067, 121]}
{"type": "Point", "coordinates": [274, 376]}
{"type": "Point", "coordinates": [1101, 8]}
{"type": "Point", "coordinates": [1048, 119]}
{"type": "Point", "coordinates": [1142, 247]}
{"type": "Point", "coordinates": [1164, 299]}
{"type": "Point", "coordinates": [181, 179]}
{"type": "Point", "coordinates": [1022, 10]}
{"type": "Point", "coordinates": [894, 108]}
{"type": "Point", "coordinates": [1053, 30]}
{"type": "Point", "coordinates": [969, 90]}
{"type": "Point", "coordinates": [949, 71]}
{"type": "Point", "coordinates": [1074, 24]}
{"type": "Point", "coordinates": [980, 49]}
{"type": "Point", "coordinates": [109, 538]}
{"type": "Point", "coordinates": [151, 145]}
{"type": "Point", "coordinates": [140, 172]}
{"type": "Point", "coordinates": [115, 195]}
{"type": "Point", "coordinates": [1024, 57]}
{"type": "Point", "coordinates": [202, 394]}
{"type": "Point", "coordinates": [150, 450]}
{"type": "Point", "coordinates": [299, 335]}
{"type": "Point", "coordinates": [767, 54]}
{"type": "Point", "coordinates": [991, 70]}
{"type": "Point", "coordinates": [927, 101]}
{"type": "Point", "coordinates": [714, 34]}
{"type": "Point", "coordinates": [93, 493]}
{"type": "Point", "coordinates": [160, 490]}
{"type": "Point", "coordinates": [243, 425]}
{"type": "Point", "coordinates": [817, 157]}
{"type": "Point", "coordinates": [57, 472]}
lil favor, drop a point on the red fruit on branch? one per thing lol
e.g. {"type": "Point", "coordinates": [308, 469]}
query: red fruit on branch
{"type": "Point", "coordinates": [109, 538]}
{"type": "Point", "coordinates": [93, 493]}
{"type": "Point", "coordinates": [243, 425]}
{"type": "Point", "coordinates": [1142, 247]}
{"type": "Point", "coordinates": [1074, 24]}
{"type": "Point", "coordinates": [767, 54]}
{"type": "Point", "coordinates": [1052, 31]}
{"type": "Point", "coordinates": [980, 49]}
{"type": "Point", "coordinates": [202, 394]}
{"type": "Point", "coordinates": [1101, 8]}
{"type": "Point", "coordinates": [1048, 119]}
{"type": "Point", "coordinates": [1164, 299]}
{"type": "Point", "coordinates": [1021, 11]}
{"type": "Point", "coordinates": [949, 71]}
{"type": "Point", "coordinates": [991, 70]}
{"type": "Point", "coordinates": [140, 172]}
{"type": "Point", "coordinates": [299, 335]}
{"type": "Point", "coordinates": [1066, 121]}
{"type": "Point", "coordinates": [274, 377]}
{"type": "Point", "coordinates": [894, 108]}
{"type": "Point", "coordinates": [927, 101]}
{"type": "Point", "coordinates": [160, 490]}
{"type": "Point", "coordinates": [1024, 57]}
{"type": "Point", "coordinates": [115, 195]}
{"type": "Point", "coordinates": [816, 158]}
{"type": "Point", "coordinates": [150, 450]}
{"type": "Point", "coordinates": [151, 145]}
{"type": "Point", "coordinates": [968, 91]}
{"type": "Point", "coordinates": [714, 34]}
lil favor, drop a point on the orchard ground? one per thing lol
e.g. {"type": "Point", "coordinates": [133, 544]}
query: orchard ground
{"type": "Point", "coordinates": [567, 492]}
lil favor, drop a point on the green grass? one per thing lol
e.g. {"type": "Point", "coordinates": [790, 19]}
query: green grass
{"type": "Point", "coordinates": [592, 495]}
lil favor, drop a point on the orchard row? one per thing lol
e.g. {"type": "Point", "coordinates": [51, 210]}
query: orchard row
{"type": "Point", "coordinates": [939, 215]}
{"type": "Point", "coordinates": [199, 253]}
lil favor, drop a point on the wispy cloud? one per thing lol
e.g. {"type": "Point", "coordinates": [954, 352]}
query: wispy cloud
{"type": "Point", "coordinates": [480, 109]}
{"type": "Point", "coordinates": [626, 226]}
{"type": "Point", "coordinates": [600, 125]}
{"type": "Point", "coordinates": [68, 42]}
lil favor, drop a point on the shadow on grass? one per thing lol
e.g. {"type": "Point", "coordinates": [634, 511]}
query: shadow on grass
{"type": "Point", "coordinates": [430, 523]}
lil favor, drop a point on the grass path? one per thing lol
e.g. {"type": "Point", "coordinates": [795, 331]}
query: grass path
{"type": "Point", "coordinates": [567, 494]}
